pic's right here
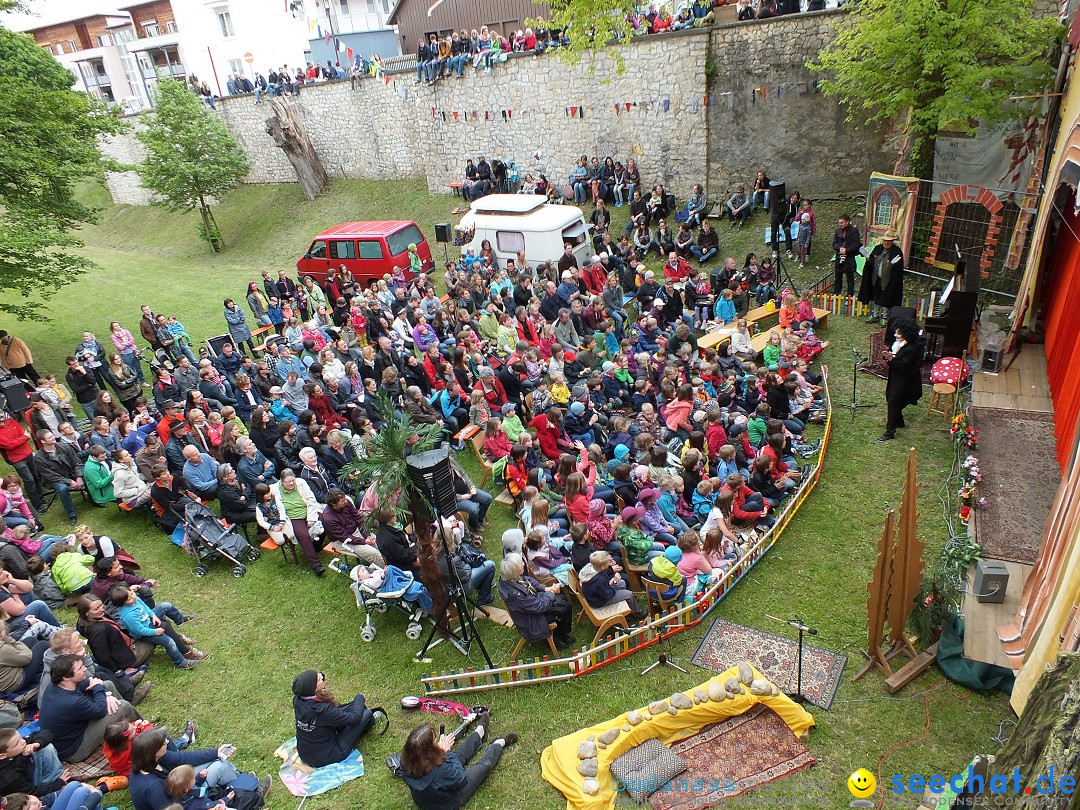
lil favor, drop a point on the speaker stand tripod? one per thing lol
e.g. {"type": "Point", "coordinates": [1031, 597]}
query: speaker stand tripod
{"type": "Point", "coordinates": [466, 633]}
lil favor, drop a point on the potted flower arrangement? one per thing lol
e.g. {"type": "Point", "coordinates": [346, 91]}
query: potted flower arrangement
{"type": "Point", "coordinates": [962, 433]}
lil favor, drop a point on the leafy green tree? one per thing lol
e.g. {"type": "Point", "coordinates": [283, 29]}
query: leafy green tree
{"type": "Point", "coordinates": [49, 134]}
{"type": "Point", "coordinates": [383, 463]}
{"type": "Point", "coordinates": [590, 25]}
{"type": "Point", "coordinates": [191, 157]}
{"type": "Point", "coordinates": [937, 63]}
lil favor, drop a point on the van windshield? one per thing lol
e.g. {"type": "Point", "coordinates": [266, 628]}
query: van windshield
{"type": "Point", "coordinates": [399, 241]}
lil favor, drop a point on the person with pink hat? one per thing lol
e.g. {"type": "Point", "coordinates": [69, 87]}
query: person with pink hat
{"type": "Point", "coordinates": [653, 522]}
{"type": "Point", "coordinates": [639, 546]}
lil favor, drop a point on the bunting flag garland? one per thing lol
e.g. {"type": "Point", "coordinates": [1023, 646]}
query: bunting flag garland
{"type": "Point", "coordinates": [573, 112]}
{"type": "Point", "coordinates": [628, 106]}
{"type": "Point", "coordinates": [349, 53]}
{"type": "Point", "coordinates": [342, 47]}
{"type": "Point", "coordinates": [455, 115]}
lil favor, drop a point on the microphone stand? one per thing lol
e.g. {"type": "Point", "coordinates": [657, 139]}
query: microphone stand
{"type": "Point", "coordinates": [799, 625]}
{"type": "Point", "coordinates": [854, 405]}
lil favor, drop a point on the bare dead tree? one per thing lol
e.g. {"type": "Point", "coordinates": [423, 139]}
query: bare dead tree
{"type": "Point", "coordinates": [286, 128]}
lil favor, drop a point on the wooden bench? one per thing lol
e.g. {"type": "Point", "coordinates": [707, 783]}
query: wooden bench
{"type": "Point", "coordinates": [455, 188]}
{"type": "Point", "coordinates": [256, 334]}
{"type": "Point", "coordinates": [714, 339]}
{"type": "Point", "coordinates": [758, 314]}
{"type": "Point", "coordinates": [761, 339]}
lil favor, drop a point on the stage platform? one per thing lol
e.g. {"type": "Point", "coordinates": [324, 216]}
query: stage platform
{"type": "Point", "coordinates": [981, 619]}
{"type": "Point", "coordinates": [1021, 387]}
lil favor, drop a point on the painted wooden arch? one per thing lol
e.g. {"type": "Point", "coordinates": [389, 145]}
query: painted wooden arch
{"type": "Point", "coordinates": [972, 194]}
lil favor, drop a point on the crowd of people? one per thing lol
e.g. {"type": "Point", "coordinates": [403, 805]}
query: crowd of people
{"type": "Point", "coordinates": [617, 439]}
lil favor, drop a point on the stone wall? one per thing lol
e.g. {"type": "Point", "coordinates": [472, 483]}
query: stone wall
{"type": "Point", "coordinates": [764, 111]}
{"type": "Point", "coordinates": [688, 107]}
{"type": "Point", "coordinates": [125, 187]}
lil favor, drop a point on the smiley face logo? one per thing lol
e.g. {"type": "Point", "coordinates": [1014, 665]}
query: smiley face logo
{"type": "Point", "coordinates": [862, 784]}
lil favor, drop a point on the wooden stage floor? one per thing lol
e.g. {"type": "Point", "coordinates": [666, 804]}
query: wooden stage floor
{"type": "Point", "coordinates": [981, 619]}
{"type": "Point", "coordinates": [1021, 387]}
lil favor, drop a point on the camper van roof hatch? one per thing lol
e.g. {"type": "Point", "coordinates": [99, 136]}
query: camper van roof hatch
{"type": "Point", "coordinates": [508, 203]}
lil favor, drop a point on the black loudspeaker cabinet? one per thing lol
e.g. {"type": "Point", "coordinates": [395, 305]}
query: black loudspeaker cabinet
{"type": "Point", "coordinates": [777, 197]}
{"type": "Point", "coordinates": [896, 314]}
{"type": "Point", "coordinates": [432, 475]}
{"type": "Point", "coordinates": [15, 397]}
{"type": "Point", "coordinates": [443, 232]}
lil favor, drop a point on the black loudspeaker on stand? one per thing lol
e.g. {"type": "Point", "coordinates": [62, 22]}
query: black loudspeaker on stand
{"type": "Point", "coordinates": [433, 477]}
{"type": "Point", "coordinates": [13, 393]}
{"type": "Point", "coordinates": [777, 197]}
{"type": "Point", "coordinates": [444, 234]}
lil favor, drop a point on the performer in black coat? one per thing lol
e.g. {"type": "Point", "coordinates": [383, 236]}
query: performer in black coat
{"type": "Point", "coordinates": [883, 277]}
{"type": "Point", "coordinates": [905, 375]}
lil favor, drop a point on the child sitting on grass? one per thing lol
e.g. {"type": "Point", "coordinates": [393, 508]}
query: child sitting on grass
{"type": "Point", "coordinates": [71, 570]}
{"type": "Point", "coordinates": [718, 549]}
{"type": "Point", "coordinates": [44, 586]}
{"type": "Point", "coordinates": [117, 747]}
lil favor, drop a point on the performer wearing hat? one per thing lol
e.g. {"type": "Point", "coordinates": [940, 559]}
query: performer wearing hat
{"type": "Point", "coordinates": [326, 731]}
{"type": "Point", "coordinates": [883, 277]}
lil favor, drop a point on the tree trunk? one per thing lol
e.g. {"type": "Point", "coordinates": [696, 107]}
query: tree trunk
{"type": "Point", "coordinates": [1047, 737]}
{"type": "Point", "coordinates": [286, 129]}
{"type": "Point", "coordinates": [428, 554]}
{"type": "Point", "coordinates": [210, 231]}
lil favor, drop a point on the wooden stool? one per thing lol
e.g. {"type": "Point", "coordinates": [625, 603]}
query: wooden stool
{"type": "Point", "coordinates": [550, 643]}
{"type": "Point", "coordinates": [943, 401]}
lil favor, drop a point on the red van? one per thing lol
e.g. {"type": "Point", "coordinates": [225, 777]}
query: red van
{"type": "Point", "coordinates": [369, 249]}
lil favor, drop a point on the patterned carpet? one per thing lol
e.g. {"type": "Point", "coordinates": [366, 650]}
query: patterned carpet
{"type": "Point", "coordinates": [727, 644]}
{"type": "Point", "coordinates": [740, 754]}
{"type": "Point", "coordinates": [1010, 441]}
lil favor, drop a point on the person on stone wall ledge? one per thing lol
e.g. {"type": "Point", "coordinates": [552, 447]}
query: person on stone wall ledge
{"type": "Point", "coordinates": [883, 277]}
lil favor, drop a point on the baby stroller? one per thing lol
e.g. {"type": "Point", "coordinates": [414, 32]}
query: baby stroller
{"type": "Point", "coordinates": [377, 589]}
{"type": "Point", "coordinates": [208, 538]}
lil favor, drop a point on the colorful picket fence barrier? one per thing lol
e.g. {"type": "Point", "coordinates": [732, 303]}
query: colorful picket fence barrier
{"type": "Point", "coordinates": [849, 305]}
{"type": "Point", "coordinates": [677, 620]}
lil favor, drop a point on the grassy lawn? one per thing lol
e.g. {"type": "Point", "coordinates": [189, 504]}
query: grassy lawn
{"type": "Point", "coordinates": [278, 620]}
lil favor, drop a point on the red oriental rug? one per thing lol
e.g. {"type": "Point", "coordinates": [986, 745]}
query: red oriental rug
{"type": "Point", "coordinates": [776, 657]}
{"type": "Point", "coordinates": [733, 757]}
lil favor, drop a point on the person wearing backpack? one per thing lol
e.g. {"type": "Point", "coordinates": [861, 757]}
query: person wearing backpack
{"type": "Point", "coordinates": [326, 731]}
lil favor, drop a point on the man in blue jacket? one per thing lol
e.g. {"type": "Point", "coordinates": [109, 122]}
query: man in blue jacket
{"type": "Point", "coordinates": [77, 709]}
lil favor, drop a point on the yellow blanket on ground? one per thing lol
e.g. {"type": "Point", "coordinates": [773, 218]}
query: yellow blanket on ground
{"type": "Point", "coordinates": [559, 761]}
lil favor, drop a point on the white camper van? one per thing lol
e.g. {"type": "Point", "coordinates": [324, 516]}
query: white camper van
{"type": "Point", "coordinates": [516, 222]}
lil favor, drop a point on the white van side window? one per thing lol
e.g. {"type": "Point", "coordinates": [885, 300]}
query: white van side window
{"type": "Point", "coordinates": [574, 234]}
{"type": "Point", "coordinates": [509, 242]}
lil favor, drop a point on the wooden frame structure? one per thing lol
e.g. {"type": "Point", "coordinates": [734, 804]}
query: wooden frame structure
{"type": "Point", "coordinates": [894, 584]}
{"type": "Point", "coordinates": [659, 627]}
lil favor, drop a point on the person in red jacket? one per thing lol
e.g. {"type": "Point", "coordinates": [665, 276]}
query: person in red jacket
{"type": "Point", "coordinates": [16, 450]}
{"type": "Point", "coordinates": [492, 389]}
{"type": "Point", "coordinates": [676, 269]}
{"type": "Point", "coordinates": [748, 505]}
{"type": "Point", "coordinates": [549, 432]}
{"type": "Point", "coordinates": [320, 405]}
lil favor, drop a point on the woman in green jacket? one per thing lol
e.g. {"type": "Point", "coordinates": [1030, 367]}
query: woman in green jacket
{"type": "Point", "coordinates": [98, 476]}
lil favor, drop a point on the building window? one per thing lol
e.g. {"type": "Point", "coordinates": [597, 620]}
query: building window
{"type": "Point", "coordinates": [344, 7]}
{"type": "Point", "coordinates": [151, 29]}
{"type": "Point", "coordinates": [126, 35]}
{"type": "Point", "coordinates": [236, 66]}
{"type": "Point", "coordinates": [72, 47]}
{"type": "Point", "coordinates": [371, 7]}
{"type": "Point", "coordinates": [58, 49]}
{"type": "Point", "coordinates": [225, 21]}
{"type": "Point", "coordinates": [386, 6]}
{"type": "Point", "coordinates": [104, 40]}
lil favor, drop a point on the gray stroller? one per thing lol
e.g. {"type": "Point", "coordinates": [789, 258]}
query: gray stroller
{"type": "Point", "coordinates": [210, 538]}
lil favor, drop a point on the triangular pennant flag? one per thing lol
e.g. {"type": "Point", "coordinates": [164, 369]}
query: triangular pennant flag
{"type": "Point", "coordinates": [444, 116]}
{"type": "Point", "coordinates": [349, 53]}
{"type": "Point", "coordinates": [628, 106]}
{"type": "Point", "coordinates": [667, 104]}
{"type": "Point", "coordinates": [342, 47]}
{"type": "Point", "coordinates": [487, 115]}
{"type": "Point", "coordinates": [386, 79]}
{"type": "Point", "coordinates": [509, 114]}
{"type": "Point", "coordinates": [616, 109]}
{"type": "Point", "coordinates": [764, 93]}
{"type": "Point", "coordinates": [455, 115]}
{"type": "Point", "coordinates": [432, 112]}
{"type": "Point", "coordinates": [693, 105]}
{"type": "Point", "coordinates": [573, 112]}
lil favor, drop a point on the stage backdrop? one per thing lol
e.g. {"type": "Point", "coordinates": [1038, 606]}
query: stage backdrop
{"type": "Point", "coordinates": [890, 203]}
{"type": "Point", "coordinates": [1062, 318]}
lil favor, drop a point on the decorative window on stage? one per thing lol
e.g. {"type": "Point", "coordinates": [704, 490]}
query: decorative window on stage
{"type": "Point", "coordinates": [886, 205]}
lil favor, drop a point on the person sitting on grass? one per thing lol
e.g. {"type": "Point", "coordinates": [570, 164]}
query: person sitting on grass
{"type": "Point", "coordinates": [30, 764]}
{"type": "Point", "coordinates": [117, 744]}
{"type": "Point", "coordinates": [326, 731]}
{"type": "Point", "coordinates": [442, 779]}
{"type": "Point", "coordinates": [154, 626]}
{"type": "Point", "coordinates": [73, 796]}
{"type": "Point", "coordinates": [111, 646]}
{"type": "Point", "coordinates": [78, 708]}
{"type": "Point", "coordinates": [152, 761]}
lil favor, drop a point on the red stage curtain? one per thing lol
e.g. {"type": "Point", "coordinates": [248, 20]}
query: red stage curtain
{"type": "Point", "coordinates": [1061, 311]}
